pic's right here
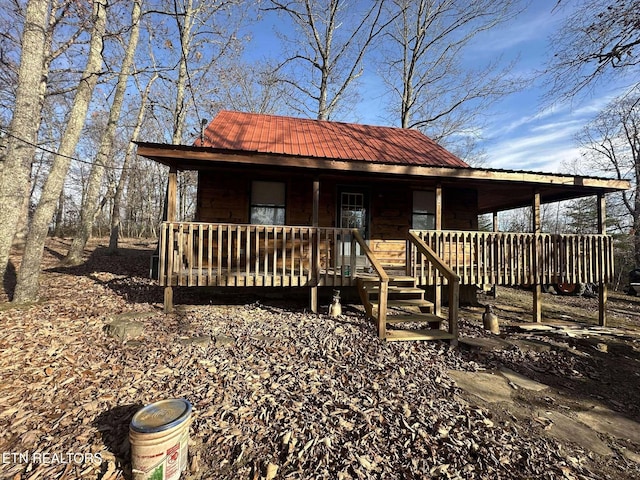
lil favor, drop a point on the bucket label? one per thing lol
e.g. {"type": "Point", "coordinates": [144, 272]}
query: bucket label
{"type": "Point", "coordinates": [162, 454]}
{"type": "Point", "coordinates": [173, 460]}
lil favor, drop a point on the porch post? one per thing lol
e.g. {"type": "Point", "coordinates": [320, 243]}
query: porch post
{"type": "Point", "coordinates": [172, 194]}
{"type": "Point", "coordinates": [315, 222]}
{"type": "Point", "coordinates": [170, 216]}
{"type": "Point", "coordinates": [438, 211]}
{"type": "Point", "coordinates": [537, 287]}
{"type": "Point", "coordinates": [496, 228]}
{"type": "Point", "coordinates": [602, 290]}
{"type": "Point", "coordinates": [437, 289]}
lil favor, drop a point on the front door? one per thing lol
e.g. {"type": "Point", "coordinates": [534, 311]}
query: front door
{"type": "Point", "coordinates": [353, 212]}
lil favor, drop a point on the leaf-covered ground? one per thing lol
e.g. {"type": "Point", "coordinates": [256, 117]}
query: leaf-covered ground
{"type": "Point", "coordinates": [277, 391]}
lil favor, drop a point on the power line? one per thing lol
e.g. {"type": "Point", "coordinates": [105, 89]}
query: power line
{"type": "Point", "coordinates": [52, 152]}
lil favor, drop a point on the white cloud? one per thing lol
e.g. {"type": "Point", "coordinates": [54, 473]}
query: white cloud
{"type": "Point", "coordinates": [542, 141]}
{"type": "Point", "coordinates": [517, 33]}
{"type": "Point", "coordinates": [528, 32]}
{"type": "Point", "coordinates": [525, 120]}
{"type": "Point", "coordinates": [535, 156]}
{"type": "Point", "coordinates": [539, 146]}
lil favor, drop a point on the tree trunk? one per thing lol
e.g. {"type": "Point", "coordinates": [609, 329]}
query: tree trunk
{"type": "Point", "coordinates": [180, 112]}
{"type": "Point", "coordinates": [59, 221]}
{"type": "Point", "coordinates": [636, 238]}
{"type": "Point", "coordinates": [25, 123]}
{"type": "Point", "coordinates": [103, 159]}
{"type": "Point", "coordinates": [22, 227]}
{"type": "Point", "coordinates": [27, 286]}
{"type": "Point", "coordinates": [117, 198]}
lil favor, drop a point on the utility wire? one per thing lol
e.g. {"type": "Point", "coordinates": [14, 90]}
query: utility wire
{"type": "Point", "coordinates": [52, 152]}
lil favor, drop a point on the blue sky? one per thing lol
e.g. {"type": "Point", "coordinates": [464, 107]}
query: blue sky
{"type": "Point", "coordinates": [520, 133]}
{"type": "Point", "coordinates": [524, 132]}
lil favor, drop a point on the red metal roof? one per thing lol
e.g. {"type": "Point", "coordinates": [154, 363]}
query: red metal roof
{"type": "Point", "coordinates": [271, 134]}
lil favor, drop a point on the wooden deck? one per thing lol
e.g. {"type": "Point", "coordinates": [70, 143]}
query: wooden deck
{"type": "Point", "coordinates": [230, 255]}
{"type": "Point", "coordinates": [202, 254]}
{"type": "Point", "coordinates": [194, 277]}
{"type": "Point", "coordinates": [430, 334]}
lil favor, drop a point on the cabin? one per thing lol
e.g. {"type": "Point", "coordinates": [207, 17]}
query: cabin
{"type": "Point", "coordinates": [290, 202]}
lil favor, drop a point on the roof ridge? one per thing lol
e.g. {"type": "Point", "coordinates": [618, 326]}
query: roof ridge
{"type": "Point", "coordinates": [317, 120]}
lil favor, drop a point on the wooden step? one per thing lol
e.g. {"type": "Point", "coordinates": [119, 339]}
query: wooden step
{"type": "Point", "coordinates": [402, 279]}
{"type": "Point", "coordinates": [409, 335]}
{"type": "Point", "coordinates": [415, 318]}
{"type": "Point", "coordinates": [374, 278]}
{"type": "Point", "coordinates": [408, 302]}
{"type": "Point", "coordinates": [395, 289]}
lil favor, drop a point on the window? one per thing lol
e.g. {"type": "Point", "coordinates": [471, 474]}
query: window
{"type": "Point", "coordinates": [424, 210]}
{"type": "Point", "coordinates": [267, 203]}
{"type": "Point", "coordinates": [353, 213]}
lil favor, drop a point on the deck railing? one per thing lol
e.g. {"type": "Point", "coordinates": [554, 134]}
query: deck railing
{"type": "Point", "coordinates": [383, 283]}
{"type": "Point", "coordinates": [501, 258]}
{"type": "Point", "coordinates": [444, 271]}
{"type": "Point", "coordinates": [222, 254]}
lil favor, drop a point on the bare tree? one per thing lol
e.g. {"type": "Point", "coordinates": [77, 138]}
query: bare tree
{"type": "Point", "coordinates": [581, 216]}
{"type": "Point", "coordinates": [334, 36]}
{"type": "Point", "coordinates": [128, 160]}
{"type": "Point", "coordinates": [250, 88]}
{"type": "Point", "coordinates": [27, 286]}
{"type": "Point", "coordinates": [423, 65]}
{"type": "Point", "coordinates": [185, 21]}
{"type": "Point", "coordinates": [23, 130]}
{"type": "Point", "coordinates": [206, 32]}
{"type": "Point", "coordinates": [597, 39]}
{"type": "Point", "coordinates": [104, 156]}
{"type": "Point", "coordinates": [612, 145]}
{"type": "Point", "coordinates": [146, 188]}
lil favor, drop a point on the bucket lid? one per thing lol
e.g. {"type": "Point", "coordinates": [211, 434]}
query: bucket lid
{"type": "Point", "coordinates": [160, 416]}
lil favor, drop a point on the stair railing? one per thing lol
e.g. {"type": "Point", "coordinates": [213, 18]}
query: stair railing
{"type": "Point", "coordinates": [453, 281]}
{"type": "Point", "coordinates": [383, 282]}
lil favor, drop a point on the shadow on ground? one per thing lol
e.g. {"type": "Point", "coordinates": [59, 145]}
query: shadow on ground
{"type": "Point", "coordinates": [113, 426]}
{"type": "Point", "coordinates": [128, 274]}
{"type": "Point", "coordinates": [125, 272]}
{"type": "Point", "coordinates": [9, 280]}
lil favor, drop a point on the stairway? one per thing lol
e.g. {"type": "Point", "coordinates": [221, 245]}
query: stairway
{"type": "Point", "coordinates": [409, 316]}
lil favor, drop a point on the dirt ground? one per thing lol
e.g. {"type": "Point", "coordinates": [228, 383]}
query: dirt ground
{"type": "Point", "coordinates": [281, 393]}
{"type": "Point", "coordinates": [603, 363]}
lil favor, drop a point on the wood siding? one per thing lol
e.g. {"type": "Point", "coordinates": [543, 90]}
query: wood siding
{"type": "Point", "coordinates": [224, 196]}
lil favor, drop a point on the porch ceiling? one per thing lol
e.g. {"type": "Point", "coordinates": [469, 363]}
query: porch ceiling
{"type": "Point", "coordinates": [497, 189]}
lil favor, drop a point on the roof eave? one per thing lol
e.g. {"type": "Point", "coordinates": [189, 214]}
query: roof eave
{"type": "Point", "coordinates": [188, 157]}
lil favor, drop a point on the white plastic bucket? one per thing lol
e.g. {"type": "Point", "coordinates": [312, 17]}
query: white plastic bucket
{"type": "Point", "coordinates": [159, 437]}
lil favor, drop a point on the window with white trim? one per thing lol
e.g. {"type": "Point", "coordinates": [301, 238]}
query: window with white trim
{"type": "Point", "coordinates": [267, 203]}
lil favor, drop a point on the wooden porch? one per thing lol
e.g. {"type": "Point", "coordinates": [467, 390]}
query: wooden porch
{"type": "Point", "coordinates": [231, 255]}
